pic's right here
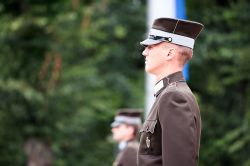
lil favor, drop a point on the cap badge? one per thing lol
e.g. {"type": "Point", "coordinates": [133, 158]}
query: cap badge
{"type": "Point", "coordinates": [170, 39]}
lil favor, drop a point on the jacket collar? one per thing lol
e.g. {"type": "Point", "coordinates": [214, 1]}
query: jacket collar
{"type": "Point", "coordinates": [170, 80]}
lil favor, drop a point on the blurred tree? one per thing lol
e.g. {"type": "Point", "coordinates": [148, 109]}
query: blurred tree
{"type": "Point", "coordinates": [66, 67]}
{"type": "Point", "coordinates": [220, 76]}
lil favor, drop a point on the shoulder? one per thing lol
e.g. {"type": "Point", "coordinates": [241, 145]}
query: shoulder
{"type": "Point", "coordinates": [129, 154]}
{"type": "Point", "coordinates": [175, 102]}
{"type": "Point", "coordinates": [173, 94]}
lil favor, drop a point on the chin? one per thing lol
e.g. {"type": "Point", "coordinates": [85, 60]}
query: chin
{"type": "Point", "coordinates": [117, 139]}
{"type": "Point", "coordinates": [148, 70]}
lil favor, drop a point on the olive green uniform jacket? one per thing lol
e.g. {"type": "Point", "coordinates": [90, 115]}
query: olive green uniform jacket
{"type": "Point", "coordinates": [128, 156]}
{"type": "Point", "coordinates": [170, 135]}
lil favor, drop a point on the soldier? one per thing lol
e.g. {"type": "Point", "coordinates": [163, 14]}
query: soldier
{"type": "Point", "coordinates": [170, 135]}
{"type": "Point", "coordinates": [125, 128]}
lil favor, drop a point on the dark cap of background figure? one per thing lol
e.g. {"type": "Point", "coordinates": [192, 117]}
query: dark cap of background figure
{"type": "Point", "coordinates": [129, 116]}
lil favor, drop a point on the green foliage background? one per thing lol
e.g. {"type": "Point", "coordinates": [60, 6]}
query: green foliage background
{"type": "Point", "coordinates": [67, 66]}
{"type": "Point", "coordinates": [220, 76]}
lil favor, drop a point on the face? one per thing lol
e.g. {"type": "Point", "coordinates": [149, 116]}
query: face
{"type": "Point", "coordinates": [155, 58]}
{"type": "Point", "coordinates": [122, 133]}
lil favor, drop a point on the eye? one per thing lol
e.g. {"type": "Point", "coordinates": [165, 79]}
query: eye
{"type": "Point", "coordinates": [150, 47]}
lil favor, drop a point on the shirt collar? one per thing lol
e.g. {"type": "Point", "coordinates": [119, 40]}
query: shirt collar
{"type": "Point", "coordinates": [171, 79]}
{"type": "Point", "coordinates": [122, 145]}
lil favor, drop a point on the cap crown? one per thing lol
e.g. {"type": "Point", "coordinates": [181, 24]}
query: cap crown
{"type": "Point", "coordinates": [185, 28]}
{"type": "Point", "coordinates": [130, 112]}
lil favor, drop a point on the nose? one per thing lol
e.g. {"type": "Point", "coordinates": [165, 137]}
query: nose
{"type": "Point", "coordinates": [145, 52]}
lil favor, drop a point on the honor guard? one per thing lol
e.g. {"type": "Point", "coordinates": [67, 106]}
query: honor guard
{"type": "Point", "coordinates": [124, 129]}
{"type": "Point", "coordinates": [170, 135]}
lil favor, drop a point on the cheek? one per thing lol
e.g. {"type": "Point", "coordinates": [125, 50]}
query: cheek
{"type": "Point", "coordinates": [156, 58]}
{"type": "Point", "coordinates": [116, 135]}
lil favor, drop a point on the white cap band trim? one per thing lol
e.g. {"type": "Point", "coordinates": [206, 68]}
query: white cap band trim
{"type": "Point", "coordinates": [176, 39]}
{"type": "Point", "coordinates": [128, 120]}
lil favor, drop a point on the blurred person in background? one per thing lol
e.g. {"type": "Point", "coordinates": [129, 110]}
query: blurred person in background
{"type": "Point", "coordinates": [170, 135]}
{"type": "Point", "coordinates": [125, 130]}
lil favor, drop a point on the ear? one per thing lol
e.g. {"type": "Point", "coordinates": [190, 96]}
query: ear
{"type": "Point", "coordinates": [170, 53]}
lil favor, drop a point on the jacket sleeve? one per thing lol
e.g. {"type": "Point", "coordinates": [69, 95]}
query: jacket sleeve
{"type": "Point", "coordinates": [178, 130]}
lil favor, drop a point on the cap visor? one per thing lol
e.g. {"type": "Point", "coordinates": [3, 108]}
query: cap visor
{"type": "Point", "coordinates": [115, 124]}
{"type": "Point", "coordinates": [148, 42]}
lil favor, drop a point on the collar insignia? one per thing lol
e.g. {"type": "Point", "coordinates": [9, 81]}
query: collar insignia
{"type": "Point", "coordinates": [158, 87]}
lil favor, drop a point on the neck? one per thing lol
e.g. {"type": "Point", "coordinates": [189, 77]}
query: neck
{"type": "Point", "coordinates": [170, 67]}
{"type": "Point", "coordinates": [166, 73]}
{"type": "Point", "coordinates": [129, 138]}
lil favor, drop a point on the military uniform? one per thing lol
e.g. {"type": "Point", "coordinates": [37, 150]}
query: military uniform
{"type": "Point", "coordinates": [128, 156]}
{"type": "Point", "coordinates": [170, 134]}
